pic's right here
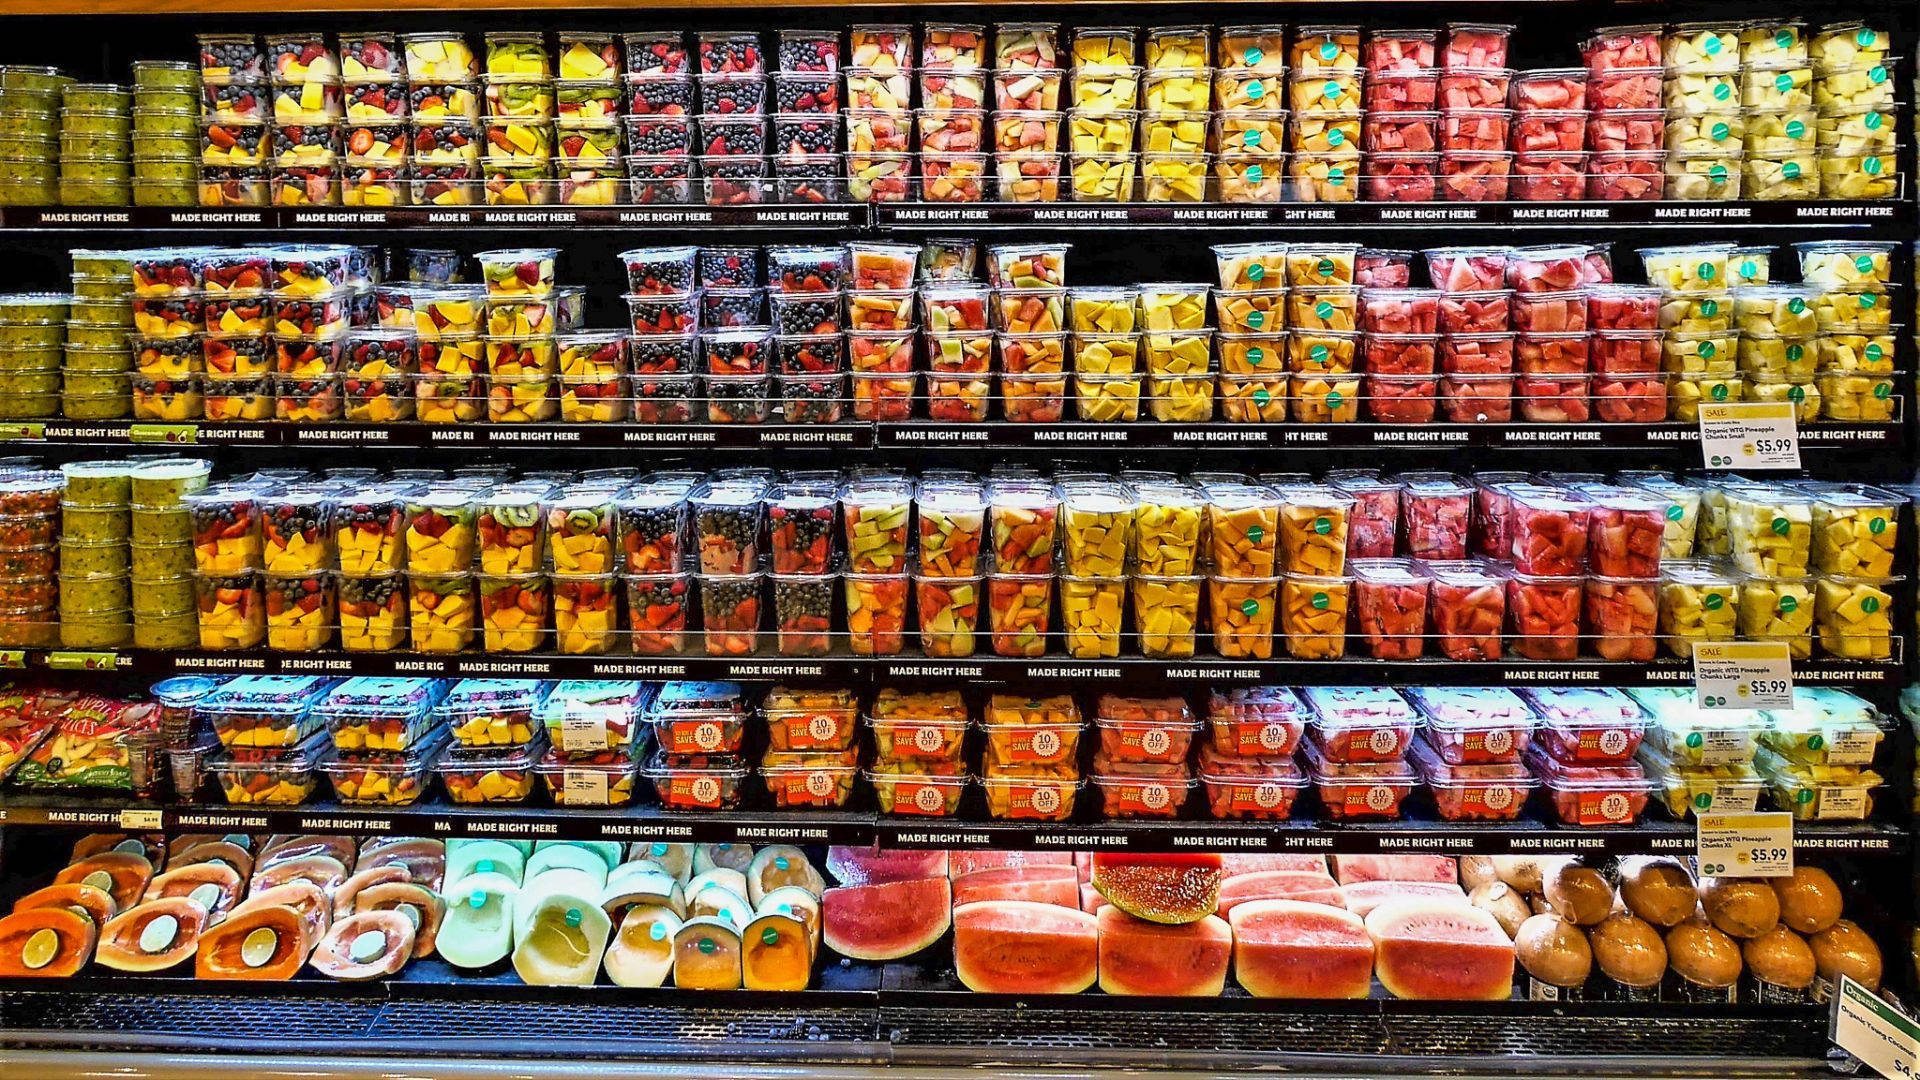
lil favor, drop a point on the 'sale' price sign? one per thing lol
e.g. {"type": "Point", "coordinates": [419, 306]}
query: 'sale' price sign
{"type": "Point", "coordinates": [1744, 845]}
{"type": "Point", "coordinates": [1749, 435]}
{"type": "Point", "coordinates": [1742, 675]}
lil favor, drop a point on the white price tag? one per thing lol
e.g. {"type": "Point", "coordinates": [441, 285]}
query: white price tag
{"type": "Point", "coordinates": [1749, 435]}
{"type": "Point", "coordinates": [141, 819]}
{"type": "Point", "coordinates": [1863, 1025]}
{"type": "Point", "coordinates": [583, 731]}
{"type": "Point", "coordinates": [1742, 675]}
{"type": "Point", "coordinates": [1744, 845]}
{"type": "Point", "coordinates": [583, 787]}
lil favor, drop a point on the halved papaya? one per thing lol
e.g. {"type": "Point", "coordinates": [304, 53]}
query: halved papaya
{"type": "Point", "coordinates": [362, 879]}
{"type": "Point", "coordinates": [365, 945]}
{"type": "Point", "coordinates": [121, 873]}
{"type": "Point", "coordinates": [220, 851]}
{"type": "Point", "coordinates": [45, 943]}
{"type": "Point", "coordinates": [323, 870]}
{"type": "Point", "coordinates": [153, 936]}
{"type": "Point", "coordinates": [775, 953]}
{"type": "Point", "coordinates": [267, 943]}
{"type": "Point", "coordinates": [417, 902]}
{"type": "Point", "coordinates": [425, 860]}
{"type": "Point", "coordinates": [213, 885]}
{"type": "Point", "coordinates": [302, 896]}
{"type": "Point", "coordinates": [149, 844]}
{"type": "Point", "coordinates": [283, 846]}
{"type": "Point", "coordinates": [82, 899]}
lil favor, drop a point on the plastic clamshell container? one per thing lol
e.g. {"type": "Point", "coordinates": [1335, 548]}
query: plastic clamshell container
{"type": "Point", "coordinates": [1043, 793]}
{"type": "Point", "coordinates": [271, 778]}
{"type": "Point", "coordinates": [816, 720]}
{"type": "Point", "coordinates": [495, 775]}
{"type": "Point", "coordinates": [1818, 792]}
{"type": "Point", "coordinates": [607, 779]}
{"type": "Point", "coordinates": [1359, 724]}
{"type": "Point", "coordinates": [810, 780]}
{"type": "Point", "coordinates": [1713, 789]}
{"type": "Point", "coordinates": [918, 727]}
{"type": "Point", "coordinates": [698, 717]}
{"type": "Point", "coordinates": [1140, 789]}
{"type": "Point", "coordinates": [264, 712]}
{"type": "Point", "coordinates": [899, 790]}
{"type": "Point", "coordinates": [1257, 721]}
{"type": "Point", "coordinates": [1485, 792]}
{"type": "Point", "coordinates": [1692, 737]}
{"type": "Point", "coordinates": [1136, 729]}
{"type": "Point", "coordinates": [493, 712]}
{"type": "Point", "coordinates": [1038, 731]}
{"type": "Point", "coordinates": [588, 716]}
{"type": "Point", "coordinates": [378, 714]}
{"type": "Point", "coordinates": [696, 782]}
{"type": "Point", "coordinates": [382, 780]}
{"type": "Point", "coordinates": [1371, 791]}
{"type": "Point", "coordinates": [1475, 725]}
{"type": "Point", "coordinates": [1587, 725]}
{"type": "Point", "coordinates": [1825, 727]}
{"type": "Point", "coordinates": [1591, 795]}
{"type": "Point", "coordinates": [1261, 788]}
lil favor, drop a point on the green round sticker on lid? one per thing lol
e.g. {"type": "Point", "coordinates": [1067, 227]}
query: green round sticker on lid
{"type": "Point", "coordinates": [1324, 310]}
{"type": "Point", "coordinates": [1869, 604]}
{"type": "Point", "coordinates": [1328, 50]}
{"type": "Point", "coordinates": [1714, 602]}
{"type": "Point", "coordinates": [1863, 263]}
{"type": "Point", "coordinates": [1256, 355]}
{"type": "Point", "coordinates": [484, 866]}
{"type": "Point", "coordinates": [657, 931]}
{"type": "Point", "coordinates": [1722, 91]}
{"type": "Point", "coordinates": [1713, 45]}
{"type": "Point", "coordinates": [1869, 301]}
{"type": "Point", "coordinates": [658, 848]}
{"type": "Point", "coordinates": [1796, 129]}
{"type": "Point", "coordinates": [1250, 139]}
{"type": "Point", "coordinates": [1705, 350]}
{"type": "Point", "coordinates": [1788, 605]}
{"type": "Point", "coordinates": [1331, 90]}
{"type": "Point", "coordinates": [1256, 90]}
{"type": "Point", "coordinates": [1781, 526]}
{"type": "Point", "coordinates": [1336, 137]}
{"type": "Point", "coordinates": [1334, 399]}
{"type": "Point", "coordinates": [1318, 354]}
{"type": "Point", "coordinates": [708, 946]}
{"type": "Point", "coordinates": [1254, 174]}
{"type": "Point", "coordinates": [1749, 268]}
{"type": "Point", "coordinates": [1815, 741]}
{"type": "Point", "coordinates": [769, 936]}
{"type": "Point", "coordinates": [1874, 351]}
{"type": "Point", "coordinates": [780, 863]}
{"type": "Point", "coordinates": [1883, 390]}
{"type": "Point", "coordinates": [1717, 173]}
{"type": "Point", "coordinates": [1255, 272]}
{"type": "Point", "coordinates": [1709, 308]}
{"type": "Point", "coordinates": [1323, 268]}
{"type": "Point", "coordinates": [1675, 512]}
{"type": "Point", "coordinates": [1337, 176]}
{"type": "Point", "coordinates": [1320, 601]}
{"type": "Point", "coordinates": [573, 916]}
{"type": "Point", "coordinates": [1322, 526]}
{"type": "Point", "coordinates": [1783, 39]}
{"type": "Point", "coordinates": [1782, 83]}
{"type": "Point", "coordinates": [1719, 392]}
{"type": "Point", "coordinates": [1871, 166]}
{"type": "Point", "coordinates": [1703, 800]}
{"type": "Point", "coordinates": [1720, 132]}
{"type": "Point", "coordinates": [1694, 739]}
{"type": "Point", "coordinates": [476, 899]}
{"type": "Point", "coordinates": [1877, 526]}
{"type": "Point", "coordinates": [1866, 36]}
{"type": "Point", "coordinates": [1803, 796]}
{"type": "Point", "coordinates": [1256, 319]}
{"type": "Point", "coordinates": [1249, 607]}
{"type": "Point", "coordinates": [1790, 170]}
{"type": "Point", "coordinates": [1795, 352]}
{"type": "Point", "coordinates": [1253, 55]}
{"type": "Point", "coordinates": [1797, 305]}
{"type": "Point", "coordinates": [1256, 533]}
{"type": "Point", "coordinates": [1261, 397]}
{"type": "Point", "coordinates": [1796, 394]}
{"type": "Point", "coordinates": [1873, 121]}
{"type": "Point", "coordinates": [1878, 74]}
{"type": "Point", "coordinates": [1705, 272]}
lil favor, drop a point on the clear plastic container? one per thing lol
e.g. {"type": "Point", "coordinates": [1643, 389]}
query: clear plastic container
{"type": "Point", "coordinates": [1025, 793]}
{"type": "Point", "coordinates": [1260, 788]}
{"type": "Point", "coordinates": [380, 780]}
{"type": "Point", "coordinates": [812, 720]}
{"type": "Point", "coordinates": [1825, 727]}
{"type": "Point", "coordinates": [1587, 726]}
{"type": "Point", "coordinates": [493, 712]}
{"type": "Point", "coordinates": [1371, 791]}
{"type": "Point", "coordinates": [1358, 724]}
{"type": "Point", "coordinates": [1713, 789]}
{"type": "Point", "coordinates": [696, 782]}
{"type": "Point", "coordinates": [585, 716]}
{"type": "Point", "coordinates": [1138, 729]}
{"type": "Point", "coordinates": [1141, 789]}
{"type": "Point", "coordinates": [1819, 792]}
{"type": "Point", "coordinates": [1692, 737]}
{"type": "Point", "coordinates": [810, 779]}
{"type": "Point", "coordinates": [899, 789]}
{"type": "Point", "coordinates": [490, 776]}
{"type": "Point", "coordinates": [264, 712]}
{"type": "Point", "coordinates": [606, 779]}
{"type": "Point", "coordinates": [1257, 721]}
{"type": "Point", "coordinates": [271, 779]}
{"type": "Point", "coordinates": [375, 714]}
{"type": "Point", "coordinates": [698, 717]}
{"type": "Point", "coordinates": [1592, 795]}
{"type": "Point", "coordinates": [1475, 726]}
{"type": "Point", "coordinates": [1482, 792]}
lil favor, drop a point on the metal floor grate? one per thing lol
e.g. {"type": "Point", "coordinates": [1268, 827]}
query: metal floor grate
{"type": "Point", "coordinates": [686, 1027]}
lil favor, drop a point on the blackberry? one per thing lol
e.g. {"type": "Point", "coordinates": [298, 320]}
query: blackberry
{"type": "Point", "coordinates": [810, 52]}
{"type": "Point", "coordinates": [821, 354]}
{"type": "Point", "coordinates": [659, 135]}
{"type": "Point", "coordinates": [730, 54]}
{"type": "Point", "coordinates": [812, 401]}
{"type": "Point", "coordinates": [806, 313]}
{"type": "Point", "coordinates": [806, 94]}
{"type": "Point", "coordinates": [660, 95]}
{"type": "Point", "coordinates": [661, 354]}
{"type": "Point", "coordinates": [813, 179]}
{"type": "Point", "coordinates": [661, 179]}
{"type": "Point", "coordinates": [733, 136]}
{"type": "Point", "coordinates": [664, 314]}
{"type": "Point", "coordinates": [664, 401]}
{"type": "Point", "coordinates": [806, 134]}
{"type": "Point", "coordinates": [729, 266]}
{"type": "Point", "coordinates": [726, 307]}
{"type": "Point", "coordinates": [731, 94]}
{"type": "Point", "coordinates": [660, 271]}
{"type": "Point", "coordinates": [656, 51]}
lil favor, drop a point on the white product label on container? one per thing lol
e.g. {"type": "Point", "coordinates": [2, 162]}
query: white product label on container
{"type": "Point", "coordinates": [583, 787]}
{"type": "Point", "coordinates": [580, 731]}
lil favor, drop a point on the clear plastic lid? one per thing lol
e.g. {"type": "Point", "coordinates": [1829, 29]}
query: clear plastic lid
{"type": "Point", "coordinates": [1559, 776]}
{"type": "Point", "coordinates": [941, 705]}
{"type": "Point", "coordinates": [1340, 707]}
{"type": "Point", "coordinates": [698, 700]}
{"type": "Point", "coordinates": [1583, 706]}
{"type": "Point", "coordinates": [1470, 707]}
{"type": "Point", "coordinates": [484, 697]}
{"type": "Point", "coordinates": [284, 695]}
{"type": "Point", "coordinates": [371, 696]}
{"type": "Point", "coordinates": [1439, 773]}
{"type": "Point", "coordinates": [1394, 773]}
